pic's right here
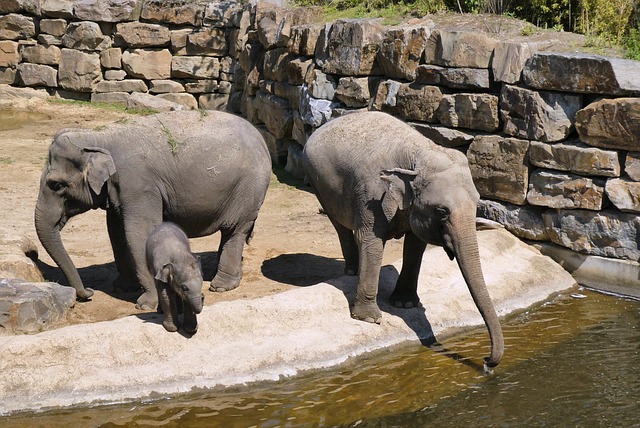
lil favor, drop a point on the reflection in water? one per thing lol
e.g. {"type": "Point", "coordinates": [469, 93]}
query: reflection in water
{"type": "Point", "coordinates": [571, 362]}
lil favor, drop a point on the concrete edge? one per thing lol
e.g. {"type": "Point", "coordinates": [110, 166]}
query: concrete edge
{"type": "Point", "coordinates": [621, 277]}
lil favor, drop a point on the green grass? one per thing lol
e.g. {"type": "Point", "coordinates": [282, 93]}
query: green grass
{"type": "Point", "coordinates": [5, 160]}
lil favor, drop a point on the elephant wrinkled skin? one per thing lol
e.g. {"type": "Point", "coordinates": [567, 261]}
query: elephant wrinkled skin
{"type": "Point", "coordinates": [377, 178]}
{"type": "Point", "coordinates": [204, 171]}
{"type": "Point", "coordinates": [178, 276]}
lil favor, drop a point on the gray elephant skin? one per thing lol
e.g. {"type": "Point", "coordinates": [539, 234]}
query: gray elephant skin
{"type": "Point", "coordinates": [204, 171]}
{"type": "Point", "coordinates": [177, 274]}
{"type": "Point", "coordinates": [377, 178]}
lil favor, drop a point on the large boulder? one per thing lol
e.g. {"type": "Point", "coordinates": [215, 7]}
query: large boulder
{"type": "Point", "coordinates": [472, 111]}
{"type": "Point", "coordinates": [107, 10]}
{"type": "Point", "coordinates": [15, 27]}
{"type": "Point", "coordinates": [350, 47]}
{"type": "Point", "coordinates": [582, 73]}
{"type": "Point", "coordinates": [86, 36]}
{"type": "Point", "coordinates": [79, 71]}
{"type": "Point", "coordinates": [576, 157]}
{"type": "Point", "coordinates": [611, 123]}
{"type": "Point", "coordinates": [142, 35]}
{"type": "Point", "coordinates": [459, 49]}
{"type": "Point", "coordinates": [564, 190]}
{"type": "Point", "coordinates": [538, 115]}
{"type": "Point", "coordinates": [401, 50]}
{"type": "Point", "coordinates": [500, 167]}
{"type": "Point", "coordinates": [607, 233]}
{"type": "Point", "coordinates": [32, 307]}
{"type": "Point", "coordinates": [149, 64]}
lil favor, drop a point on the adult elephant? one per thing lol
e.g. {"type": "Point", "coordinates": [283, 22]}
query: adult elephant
{"type": "Point", "coordinates": [377, 178]}
{"type": "Point", "coordinates": [204, 171]}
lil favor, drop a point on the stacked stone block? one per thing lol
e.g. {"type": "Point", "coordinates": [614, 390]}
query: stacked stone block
{"type": "Point", "coordinates": [552, 139]}
{"type": "Point", "coordinates": [183, 53]}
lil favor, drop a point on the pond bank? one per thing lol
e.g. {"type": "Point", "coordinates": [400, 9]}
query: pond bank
{"type": "Point", "coordinates": [265, 338]}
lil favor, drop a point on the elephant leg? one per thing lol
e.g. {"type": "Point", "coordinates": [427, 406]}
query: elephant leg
{"type": "Point", "coordinates": [349, 248]}
{"type": "Point", "coordinates": [405, 295]}
{"type": "Point", "coordinates": [190, 321]}
{"type": "Point", "coordinates": [229, 271]}
{"type": "Point", "coordinates": [365, 307]}
{"type": "Point", "coordinates": [137, 230]}
{"type": "Point", "coordinates": [126, 279]}
{"type": "Point", "coordinates": [167, 299]}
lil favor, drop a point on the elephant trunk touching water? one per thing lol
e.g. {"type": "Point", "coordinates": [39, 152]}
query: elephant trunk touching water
{"type": "Point", "coordinates": [204, 171]}
{"type": "Point", "coordinates": [465, 245]}
{"type": "Point", "coordinates": [377, 179]}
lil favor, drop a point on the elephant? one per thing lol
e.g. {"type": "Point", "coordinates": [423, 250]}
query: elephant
{"type": "Point", "coordinates": [377, 178]}
{"type": "Point", "coordinates": [205, 171]}
{"type": "Point", "coordinates": [178, 276]}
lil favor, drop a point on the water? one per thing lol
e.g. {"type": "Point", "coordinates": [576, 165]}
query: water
{"type": "Point", "coordinates": [573, 362]}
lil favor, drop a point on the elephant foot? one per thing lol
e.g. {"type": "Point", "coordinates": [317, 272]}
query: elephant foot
{"type": "Point", "coordinates": [406, 302]}
{"type": "Point", "coordinates": [351, 270]}
{"type": "Point", "coordinates": [224, 282]}
{"type": "Point", "coordinates": [367, 312]}
{"type": "Point", "coordinates": [147, 301]}
{"type": "Point", "coordinates": [84, 294]}
{"type": "Point", "coordinates": [169, 325]}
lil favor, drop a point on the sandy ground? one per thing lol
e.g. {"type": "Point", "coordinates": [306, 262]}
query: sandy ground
{"type": "Point", "coordinates": [294, 245]}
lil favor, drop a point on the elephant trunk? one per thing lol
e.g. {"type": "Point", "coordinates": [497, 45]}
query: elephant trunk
{"type": "Point", "coordinates": [197, 302]}
{"type": "Point", "coordinates": [465, 245]}
{"type": "Point", "coordinates": [48, 221]}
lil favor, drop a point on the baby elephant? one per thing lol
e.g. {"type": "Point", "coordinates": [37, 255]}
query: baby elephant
{"type": "Point", "coordinates": [178, 276]}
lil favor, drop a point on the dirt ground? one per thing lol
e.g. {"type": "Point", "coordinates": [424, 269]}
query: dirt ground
{"type": "Point", "coordinates": [294, 245]}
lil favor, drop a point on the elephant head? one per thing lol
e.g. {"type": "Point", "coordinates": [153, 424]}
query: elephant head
{"type": "Point", "coordinates": [442, 202]}
{"type": "Point", "coordinates": [185, 280]}
{"type": "Point", "coordinates": [72, 182]}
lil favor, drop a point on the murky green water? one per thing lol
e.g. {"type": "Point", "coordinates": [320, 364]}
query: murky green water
{"type": "Point", "coordinates": [574, 362]}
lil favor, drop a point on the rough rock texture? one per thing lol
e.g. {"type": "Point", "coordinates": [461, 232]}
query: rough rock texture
{"type": "Point", "coordinates": [576, 157]}
{"type": "Point", "coordinates": [624, 194]}
{"type": "Point", "coordinates": [305, 328]}
{"type": "Point", "coordinates": [537, 115]}
{"type": "Point", "coordinates": [351, 47]}
{"type": "Point", "coordinates": [459, 49]}
{"type": "Point", "coordinates": [107, 10]}
{"type": "Point", "coordinates": [401, 50]}
{"type": "Point", "coordinates": [32, 307]}
{"type": "Point", "coordinates": [605, 233]}
{"type": "Point", "coordinates": [147, 63]}
{"type": "Point", "coordinates": [79, 71]}
{"type": "Point", "coordinates": [582, 73]}
{"type": "Point", "coordinates": [611, 123]}
{"type": "Point", "coordinates": [500, 167]}
{"type": "Point", "coordinates": [561, 190]}
{"type": "Point", "coordinates": [473, 111]}
{"type": "Point", "coordinates": [510, 57]}
{"type": "Point", "coordinates": [523, 221]}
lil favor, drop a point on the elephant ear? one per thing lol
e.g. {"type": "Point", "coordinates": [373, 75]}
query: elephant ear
{"type": "Point", "coordinates": [99, 167]}
{"type": "Point", "coordinates": [164, 274]}
{"type": "Point", "coordinates": [399, 193]}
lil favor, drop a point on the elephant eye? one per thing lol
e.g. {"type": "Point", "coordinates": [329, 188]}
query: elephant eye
{"type": "Point", "coordinates": [442, 212]}
{"type": "Point", "coordinates": [56, 186]}
{"type": "Point", "coordinates": [185, 288]}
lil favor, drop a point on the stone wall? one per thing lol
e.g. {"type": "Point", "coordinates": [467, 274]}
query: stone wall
{"type": "Point", "coordinates": [553, 139]}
